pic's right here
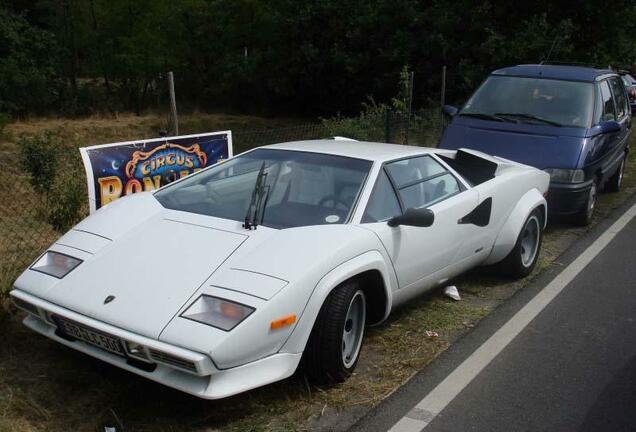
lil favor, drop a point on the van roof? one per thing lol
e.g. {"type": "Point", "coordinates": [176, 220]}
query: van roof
{"type": "Point", "coordinates": [564, 72]}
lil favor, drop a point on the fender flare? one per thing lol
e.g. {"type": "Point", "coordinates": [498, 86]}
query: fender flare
{"type": "Point", "coordinates": [371, 260]}
{"type": "Point", "coordinates": [509, 232]}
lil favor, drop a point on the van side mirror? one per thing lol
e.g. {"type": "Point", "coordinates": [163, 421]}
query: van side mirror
{"type": "Point", "coordinates": [609, 126]}
{"type": "Point", "coordinates": [450, 110]}
{"type": "Point", "coordinates": [413, 217]}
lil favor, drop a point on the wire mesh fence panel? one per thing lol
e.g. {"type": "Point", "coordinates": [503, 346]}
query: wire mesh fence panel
{"type": "Point", "coordinates": [420, 129]}
{"type": "Point", "coordinates": [31, 221]}
{"type": "Point", "coordinates": [246, 140]}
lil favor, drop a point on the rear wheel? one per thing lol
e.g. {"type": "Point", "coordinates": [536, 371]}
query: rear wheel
{"type": "Point", "coordinates": [524, 255]}
{"type": "Point", "coordinates": [334, 345]}
{"type": "Point", "coordinates": [585, 215]}
{"type": "Point", "coordinates": [616, 180]}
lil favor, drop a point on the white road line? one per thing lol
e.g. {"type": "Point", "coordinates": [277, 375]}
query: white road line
{"type": "Point", "coordinates": [428, 408]}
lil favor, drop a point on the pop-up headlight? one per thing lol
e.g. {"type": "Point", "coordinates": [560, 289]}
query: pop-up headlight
{"type": "Point", "coordinates": [56, 264]}
{"type": "Point", "coordinates": [217, 312]}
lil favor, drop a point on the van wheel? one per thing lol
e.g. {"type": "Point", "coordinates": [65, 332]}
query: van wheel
{"type": "Point", "coordinates": [614, 182]}
{"type": "Point", "coordinates": [585, 215]}
{"type": "Point", "coordinates": [334, 344]}
{"type": "Point", "coordinates": [524, 255]}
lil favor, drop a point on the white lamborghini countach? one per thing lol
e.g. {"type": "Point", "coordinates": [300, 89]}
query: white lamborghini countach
{"type": "Point", "coordinates": [236, 276]}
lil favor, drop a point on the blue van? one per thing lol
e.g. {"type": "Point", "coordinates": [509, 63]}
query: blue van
{"type": "Point", "coordinates": [571, 121]}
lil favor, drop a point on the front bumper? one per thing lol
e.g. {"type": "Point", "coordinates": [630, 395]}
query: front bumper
{"type": "Point", "coordinates": [204, 381]}
{"type": "Point", "coordinates": [567, 198]}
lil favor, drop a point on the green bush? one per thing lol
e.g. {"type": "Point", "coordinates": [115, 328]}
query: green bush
{"type": "Point", "coordinates": [39, 156]}
{"type": "Point", "coordinates": [369, 125]}
{"type": "Point", "coordinates": [66, 202]}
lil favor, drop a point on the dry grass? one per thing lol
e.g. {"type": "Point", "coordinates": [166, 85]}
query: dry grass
{"type": "Point", "coordinates": [47, 387]}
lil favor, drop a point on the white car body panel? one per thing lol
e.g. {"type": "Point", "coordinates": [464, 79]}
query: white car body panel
{"type": "Point", "coordinates": [443, 246]}
{"type": "Point", "coordinates": [156, 262]}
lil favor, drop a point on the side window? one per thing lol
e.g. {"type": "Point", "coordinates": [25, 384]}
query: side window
{"type": "Point", "coordinates": [619, 96]}
{"type": "Point", "coordinates": [383, 203]}
{"type": "Point", "coordinates": [609, 112]}
{"type": "Point", "coordinates": [422, 181]}
{"type": "Point", "coordinates": [407, 171]}
{"type": "Point", "coordinates": [429, 191]}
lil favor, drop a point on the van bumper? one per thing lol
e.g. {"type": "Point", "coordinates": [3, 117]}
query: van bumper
{"type": "Point", "coordinates": [568, 198]}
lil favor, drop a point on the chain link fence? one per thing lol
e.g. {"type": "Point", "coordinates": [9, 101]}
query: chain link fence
{"type": "Point", "coordinates": [31, 220]}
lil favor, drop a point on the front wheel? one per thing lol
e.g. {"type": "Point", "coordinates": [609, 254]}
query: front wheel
{"type": "Point", "coordinates": [524, 255]}
{"type": "Point", "coordinates": [586, 214]}
{"type": "Point", "coordinates": [334, 345]}
{"type": "Point", "coordinates": [616, 180]}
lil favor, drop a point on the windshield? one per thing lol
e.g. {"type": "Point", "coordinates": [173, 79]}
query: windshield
{"type": "Point", "coordinates": [302, 188]}
{"type": "Point", "coordinates": [534, 101]}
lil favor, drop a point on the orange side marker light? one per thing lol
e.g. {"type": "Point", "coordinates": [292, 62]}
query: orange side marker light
{"type": "Point", "coordinates": [285, 321]}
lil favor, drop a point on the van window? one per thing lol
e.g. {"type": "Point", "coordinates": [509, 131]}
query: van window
{"type": "Point", "coordinates": [609, 112]}
{"type": "Point", "coordinates": [619, 96]}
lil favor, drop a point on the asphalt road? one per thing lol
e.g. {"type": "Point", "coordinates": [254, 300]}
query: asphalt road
{"type": "Point", "coordinates": [572, 368]}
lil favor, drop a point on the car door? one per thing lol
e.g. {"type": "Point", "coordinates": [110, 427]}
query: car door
{"type": "Point", "coordinates": [420, 182]}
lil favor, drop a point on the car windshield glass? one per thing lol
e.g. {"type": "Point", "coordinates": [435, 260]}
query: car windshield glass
{"type": "Point", "coordinates": [302, 188]}
{"type": "Point", "coordinates": [533, 101]}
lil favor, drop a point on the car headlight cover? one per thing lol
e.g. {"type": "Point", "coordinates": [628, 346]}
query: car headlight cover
{"type": "Point", "coordinates": [217, 312]}
{"type": "Point", "coordinates": [56, 264]}
{"type": "Point", "coordinates": [559, 175]}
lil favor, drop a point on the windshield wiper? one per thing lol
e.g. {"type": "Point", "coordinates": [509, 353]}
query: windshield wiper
{"type": "Point", "coordinates": [529, 117]}
{"type": "Point", "coordinates": [484, 116]}
{"type": "Point", "coordinates": [256, 209]}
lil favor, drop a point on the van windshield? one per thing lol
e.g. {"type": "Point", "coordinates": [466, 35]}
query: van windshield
{"type": "Point", "coordinates": [533, 101]}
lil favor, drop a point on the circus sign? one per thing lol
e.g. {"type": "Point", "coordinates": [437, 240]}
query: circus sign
{"type": "Point", "coordinates": [119, 169]}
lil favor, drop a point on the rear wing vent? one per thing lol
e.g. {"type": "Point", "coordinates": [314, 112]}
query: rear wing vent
{"type": "Point", "coordinates": [473, 168]}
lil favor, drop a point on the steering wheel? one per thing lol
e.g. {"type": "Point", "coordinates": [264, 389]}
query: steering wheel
{"type": "Point", "coordinates": [335, 199]}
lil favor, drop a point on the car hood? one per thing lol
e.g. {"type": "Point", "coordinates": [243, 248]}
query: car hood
{"type": "Point", "coordinates": [535, 145]}
{"type": "Point", "coordinates": [151, 264]}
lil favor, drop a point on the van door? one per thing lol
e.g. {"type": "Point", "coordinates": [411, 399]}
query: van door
{"type": "Point", "coordinates": [623, 117]}
{"type": "Point", "coordinates": [602, 146]}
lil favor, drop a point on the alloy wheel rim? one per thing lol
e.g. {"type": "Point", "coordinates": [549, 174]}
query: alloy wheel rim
{"type": "Point", "coordinates": [620, 173]}
{"type": "Point", "coordinates": [591, 201]}
{"type": "Point", "coordinates": [530, 241]}
{"type": "Point", "coordinates": [353, 331]}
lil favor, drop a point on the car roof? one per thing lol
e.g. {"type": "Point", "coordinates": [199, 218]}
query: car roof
{"type": "Point", "coordinates": [372, 151]}
{"type": "Point", "coordinates": [564, 72]}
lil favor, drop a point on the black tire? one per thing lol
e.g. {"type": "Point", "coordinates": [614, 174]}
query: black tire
{"type": "Point", "coordinates": [519, 263]}
{"type": "Point", "coordinates": [584, 216]}
{"type": "Point", "coordinates": [323, 358]}
{"type": "Point", "coordinates": [616, 180]}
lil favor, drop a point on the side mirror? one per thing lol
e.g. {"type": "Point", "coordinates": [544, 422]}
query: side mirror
{"type": "Point", "coordinates": [609, 127]}
{"type": "Point", "coordinates": [450, 110]}
{"type": "Point", "coordinates": [413, 217]}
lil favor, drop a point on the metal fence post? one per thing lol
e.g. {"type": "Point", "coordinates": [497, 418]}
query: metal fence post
{"type": "Point", "coordinates": [443, 93]}
{"type": "Point", "coordinates": [387, 125]}
{"type": "Point", "coordinates": [410, 107]}
{"type": "Point", "coordinates": [174, 122]}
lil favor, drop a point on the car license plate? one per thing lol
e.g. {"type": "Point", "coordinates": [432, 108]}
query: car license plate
{"type": "Point", "coordinates": [90, 336]}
